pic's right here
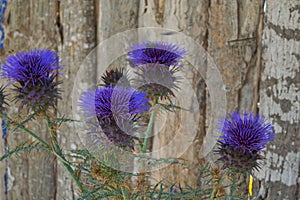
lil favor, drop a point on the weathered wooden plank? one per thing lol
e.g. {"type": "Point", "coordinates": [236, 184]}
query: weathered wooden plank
{"type": "Point", "coordinates": [190, 18]}
{"type": "Point", "coordinates": [115, 17]}
{"type": "Point", "coordinates": [279, 100]}
{"type": "Point", "coordinates": [30, 25]}
{"type": "Point", "coordinates": [77, 23]}
{"type": "Point", "coordinates": [231, 40]}
{"type": "Point", "coordinates": [233, 44]}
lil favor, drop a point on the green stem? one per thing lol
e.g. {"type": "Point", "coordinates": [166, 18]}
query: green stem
{"type": "Point", "coordinates": [55, 150]}
{"type": "Point", "coordinates": [66, 164]}
{"type": "Point", "coordinates": [28, 131]}
{"type": "Point", "coordinates": [58, 153]}
{"type": "Point", "coordinates": [72, 174]}
{"type": "Point", "coordinates": [232, 186]}
{"type": "Point", "coordinates": [35, 136]}
{"type": "Point", "coordinates": [124, 193]}
{"type": "Point", "coordinates": [149, 129]}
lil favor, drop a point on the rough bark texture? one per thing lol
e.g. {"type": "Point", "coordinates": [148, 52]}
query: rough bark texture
{"type": "Point", "coordinates": [279, 100]}
{"type": "Point", "coordinates": [231, 31]}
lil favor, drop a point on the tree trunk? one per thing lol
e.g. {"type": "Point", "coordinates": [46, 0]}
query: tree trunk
{"type": "Point", "coordinates": [279, 100]}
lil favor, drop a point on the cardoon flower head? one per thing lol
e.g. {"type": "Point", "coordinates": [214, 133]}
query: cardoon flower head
{"type": "Point", "coordinates": [242, 141]}
{"type": "Point", "coordinates": [155, 52]}
{"type": "Point", "coordinates": [2, 100]}
{"type": "Point", "coordinates": [116, 108]}
{"type": "Point", "coordinates": [115, 76]}
{"type": "Point", "coordinates": [114, 102]}
{"type": "Point", "coordinates": [156, 80]}
{"type": "Point", "coordinates": [156, 63]}
{"type": "Point", "coordinates": [34, 76]}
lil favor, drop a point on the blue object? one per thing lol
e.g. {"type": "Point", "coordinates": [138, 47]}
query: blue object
{"type": "Point", "coordinates": [2, 11]}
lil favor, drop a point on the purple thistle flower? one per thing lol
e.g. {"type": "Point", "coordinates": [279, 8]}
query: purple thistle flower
{"type": "Point", "coordinates": [155, 52]}
{"type": "Point", "coordinates": [156, 80]}
{"type": "Point", "coordinates": [116, 108]}
{"type": "Point", "coordinates": [34, 76]}
{"type": "Point", "coordinates": [242, 140]}
{"type": "Point", "coordinates": [110, 102]}
{"type": "Point", "coordinates": [31, 67]}
{"type": "Point", "coordinates": [114, 77]}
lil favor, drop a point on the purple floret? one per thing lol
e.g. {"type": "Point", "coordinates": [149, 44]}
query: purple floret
{"type": "Point", "coordinates": [34, 75]}
{"type": "Point", "coordinates": [116, 109]}
{"type": "Point", "coordinates": [155, 52]}
{"type": "Point", "coordinates": [243, 139]}
{"type": "Point", "coordinates": [249, 133]}
{"type": "Point", "coordinates": [31, 67]}
{"type": "Point", "coordinates": [110, 102]}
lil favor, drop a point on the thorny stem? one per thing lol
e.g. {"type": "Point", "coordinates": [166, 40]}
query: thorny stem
{"type": "Point", "coordinates": [29, 132]}
{"type": "Point", "coordinates": [58, 153]}
{"type": "Point", "coordinates": [35, 136]}
{"type": "Point", "coordinates": [142, 175]}
{"type": "Point", "coordinates": [124, 193]}
{"type": "Point", "coordinates": [55, 150]}
{"type": "Point", "coordinates": [232, 186]}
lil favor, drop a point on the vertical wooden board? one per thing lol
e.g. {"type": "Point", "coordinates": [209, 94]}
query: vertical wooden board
{"type": "Point", "coordinates": [115, 17]}
{"type": "Point", "coordinates": [233, 42]}
{"type": "Point", "coordinates": [279, 100]}
{"type": "Point", "coordinates": [29, 25]}
{"type": "Point", "coordinates": [235, 45]}
{"type": "Point", "coordinates": [190, 18]}
{"type": "Point", "coordinates": [223, 29]}
{"type": "Point", "coordinates": [77, 23]}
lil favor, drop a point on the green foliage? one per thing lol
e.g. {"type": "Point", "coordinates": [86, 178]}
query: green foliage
{"type": "Point", "coordinates": [59, 121]}
{"type": "Point", "coordinates": [97, 180]}
{"type": "Point", "coordinates": [25, 147]}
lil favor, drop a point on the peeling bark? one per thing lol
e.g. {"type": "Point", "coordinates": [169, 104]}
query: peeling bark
{"type": "Point", "coordinates": [279, 101]}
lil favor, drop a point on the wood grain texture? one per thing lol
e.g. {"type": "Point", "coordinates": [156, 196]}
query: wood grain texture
{"type": "Point", "coordinates": [190, 18]}
{"type": "Point", "coordinates": [233, 40]}
{"type": "Point", "coordinates": [77, 38]}
{"type": "Point", "coordinates": [115, 17]}
{"type": "Point", "coordinates": [30, 25]}
{"type": "Point", "coordinates": [235, 44]}
{"type": "Point", "coordinates": [279, 100]}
